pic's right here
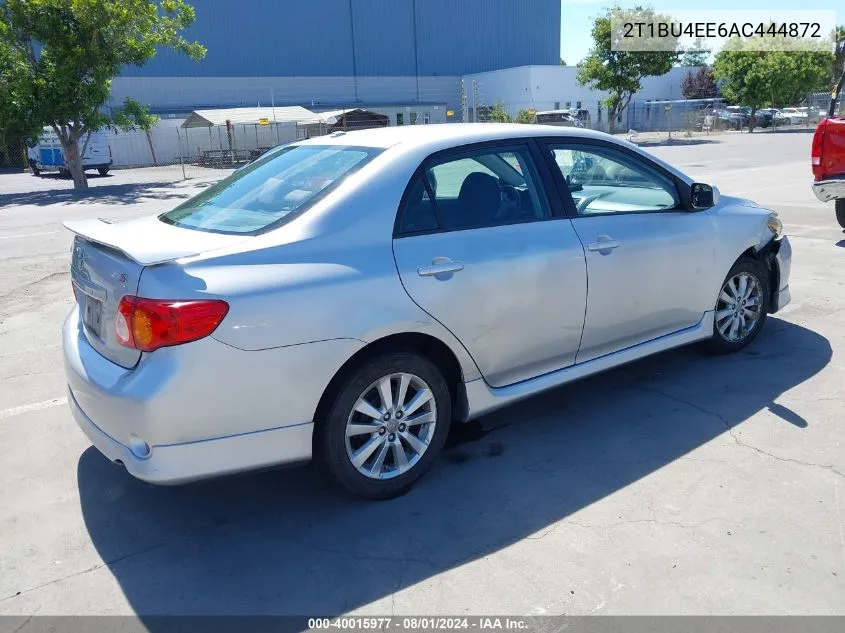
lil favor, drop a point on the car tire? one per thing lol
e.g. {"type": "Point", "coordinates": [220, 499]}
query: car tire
{"type": "Point", "coordinates": [368, 463]}
{"type": "Point", "coordinates": [103, 170]}
{"type": "Point", "coordinates": [732, 313]}
{"type": "Point", "coordinates": [840, 211]}
{"type": "Point", "coordinates": [34, 167]}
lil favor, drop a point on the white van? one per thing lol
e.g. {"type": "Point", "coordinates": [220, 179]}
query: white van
{"type": "Point", "coordinates": [48, 155]}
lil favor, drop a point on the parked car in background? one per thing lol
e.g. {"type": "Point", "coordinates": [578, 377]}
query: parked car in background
{"type": "Point", "coordinates": [738, 117]}
{"type": "Point", "coordinates": [796, 116]}
{"type": "Point", "coordinates": [731, 119]}
{"type": "Point", "coordinates": [762, 118]}
{"type": "Point", "coordinates": [47, 154]}
{"type": "Point", "coordinates": [778, 118]}
{"type": "Point", "coordinates": [351, 295]}
{"type": "Point", "coordinates": [827, 156]}
{"type": "Point", "coordinates": [563, 118]}
{"type": "Point", "coordinates": [583, 115]}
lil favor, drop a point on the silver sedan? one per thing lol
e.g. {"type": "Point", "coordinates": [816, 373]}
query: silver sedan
{"type": "Point", "coordinates": [354, 295]}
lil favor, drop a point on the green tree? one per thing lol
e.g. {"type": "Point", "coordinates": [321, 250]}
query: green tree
{"type": "Point", "coordinates": [134, 116]}
{"type": "Point", "coordinates": [695, 55]}
{"type": "Point", "coordinates": [839, 56]}
{"type": "Point", "coordinates": [58, 57]}
{"type": "Point", "coordinates": [562, 61]}
{"type": "Point", "coordinates": [498, 114]}
{"type": "Point", "coordinates": [620, 72]}
{"type": "Point", "coordinates": [754, 78]}
{"type": "Point", "coordinates": [525, 116]}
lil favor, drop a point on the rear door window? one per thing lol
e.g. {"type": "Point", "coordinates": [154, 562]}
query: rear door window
{"type": "Point", "coordinates": [482, 188]}
{"type": "Point", "coordinates": [271, 191]}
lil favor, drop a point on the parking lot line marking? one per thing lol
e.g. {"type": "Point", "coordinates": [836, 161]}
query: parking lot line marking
{"type": "Point", "coordinates": [35, 406]}
{"type": "Point", "coordinates": [9, 237]}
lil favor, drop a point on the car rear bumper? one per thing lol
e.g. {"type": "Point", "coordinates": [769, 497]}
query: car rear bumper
{"type": "Point", "coordinates": [192, 461]}
{"type": "Point", "coordinates": [202, 409]}
{"type": "Point", "coordinates": [831, 189]}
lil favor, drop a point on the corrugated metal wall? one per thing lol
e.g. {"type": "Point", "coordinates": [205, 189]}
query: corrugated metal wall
{"type": "Point", "coordinates": [265, 38]}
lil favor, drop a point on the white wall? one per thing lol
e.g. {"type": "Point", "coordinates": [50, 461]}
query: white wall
{"type": "Point", "coordinates": [545, 87]}
{"type": "Point", "coordinates": [131, 149]}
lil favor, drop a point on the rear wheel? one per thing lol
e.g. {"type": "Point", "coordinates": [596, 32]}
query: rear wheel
{"type": "Point", "coordinates": [741, 307]}
{"type": "Point", "coordinates": [840, 211]}
{"type": "Point", "coordinates": [386, 425]}
{"type": "Point", "coordinates": [103, 170]}
{"type": "Point", "coordinates": [34, 167]}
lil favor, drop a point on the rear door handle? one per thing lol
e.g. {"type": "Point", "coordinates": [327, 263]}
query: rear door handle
{"type": "Point", "coordinates": [440, 266]}
{"type": "Point", "coordinates": [604, 243]}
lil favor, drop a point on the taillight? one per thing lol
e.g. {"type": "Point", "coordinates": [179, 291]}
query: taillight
{"type": "Point", "coordinates": [816, 150]}
{"type": "Point", "coordinates": [147, 324]}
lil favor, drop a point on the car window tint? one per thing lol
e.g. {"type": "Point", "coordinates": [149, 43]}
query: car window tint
{"type": "Point", "coordinates": [605, 181]}
{"type": "Point", "coordinates": [486, 188]}
{"type": "Point", "coordinates": [270, 191]}
{"type": "Point", "coordinates": [419, 214]}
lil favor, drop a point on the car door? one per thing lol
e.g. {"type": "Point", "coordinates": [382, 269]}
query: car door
{"type": "Point", "coordinates": [649, 258]}
{"type": "Point", "coordinates": [481, 249]}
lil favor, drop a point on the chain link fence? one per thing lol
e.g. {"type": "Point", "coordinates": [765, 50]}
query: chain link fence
{"type": "Point", "coordinates": [174, 152]}
{"type": "Point", "coordinates": [12, 155]}
{"type": "Point", "coordinates": [819, 103]}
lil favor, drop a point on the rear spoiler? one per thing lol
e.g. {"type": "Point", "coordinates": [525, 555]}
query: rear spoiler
{"type": "Point", "coordinates": [149, 241]}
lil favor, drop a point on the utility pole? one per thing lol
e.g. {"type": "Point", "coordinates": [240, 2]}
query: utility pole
{"type": "Point", "coordinates": [474, 101]}
{"type": "Point", "coordinates": [464, 104]}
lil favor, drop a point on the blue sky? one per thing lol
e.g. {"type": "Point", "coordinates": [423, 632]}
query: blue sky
{"type": "Point", "coordinates": [577, 16]}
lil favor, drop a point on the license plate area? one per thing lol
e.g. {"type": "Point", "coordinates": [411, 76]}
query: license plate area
{"type": "Point", "coordinates": [92, 315]}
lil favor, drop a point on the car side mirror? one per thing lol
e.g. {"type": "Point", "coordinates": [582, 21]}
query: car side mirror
{"type": "Point", "coordinates": [703, 196]}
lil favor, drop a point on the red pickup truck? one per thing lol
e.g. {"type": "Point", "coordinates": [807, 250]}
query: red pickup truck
{"type": "Point", "coordinates": [828, 157]}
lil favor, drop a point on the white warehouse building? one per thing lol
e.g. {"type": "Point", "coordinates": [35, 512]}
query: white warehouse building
{"type": "Point", "coordinates": [556, 87]}
{"type": "Point", "coordinates": [537, 87]}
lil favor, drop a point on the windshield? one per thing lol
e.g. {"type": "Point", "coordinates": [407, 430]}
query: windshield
{"type": "Point", "coordinates": [271, 191]}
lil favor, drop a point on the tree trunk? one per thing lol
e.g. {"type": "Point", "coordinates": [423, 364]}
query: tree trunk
{"type": "Point", "coordinates": [74, 164]}
{"type": "Point", "coordinates": [751, 120]}
{"type": "Point", "coordinates": [152, 150]}
{"type": "Point", "coordinates": [611, 120]}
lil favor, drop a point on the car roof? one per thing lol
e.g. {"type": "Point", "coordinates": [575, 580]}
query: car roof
{"type": "Point", "coordinates": [445, 135]}
{"type": "Point", "coordinates": [420, 141]}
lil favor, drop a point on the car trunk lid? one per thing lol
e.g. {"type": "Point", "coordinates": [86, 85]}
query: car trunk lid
{"type": "Point", "coordinates": [106, 264]}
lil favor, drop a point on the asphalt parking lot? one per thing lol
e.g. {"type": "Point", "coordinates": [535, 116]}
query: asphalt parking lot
{"type": "Point", "coordinates": [681, 484]}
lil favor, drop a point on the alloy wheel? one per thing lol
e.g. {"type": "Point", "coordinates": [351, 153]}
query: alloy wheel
{"type": "Point", "coordinates": [391, 426]}
{"type": "Point", "coordinates": [739, 307]}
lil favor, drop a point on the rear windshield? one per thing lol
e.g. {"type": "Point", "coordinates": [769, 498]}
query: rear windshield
{"type": "Point", "coordinates": [271, 191]}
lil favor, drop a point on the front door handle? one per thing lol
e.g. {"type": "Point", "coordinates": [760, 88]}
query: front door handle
{"type": "Point", "coordinates": [604, 243]}
{"type": "Point", "coordinates": [440, 266]}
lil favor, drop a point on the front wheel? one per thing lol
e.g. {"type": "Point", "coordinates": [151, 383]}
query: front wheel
{"type": "Point", "coordinates": [103, 170]}
{"type": "Point", "coordinates": [386, 425]}
{"type": "Point", "coordinates": [34, 167]}
{"type": "Point", "coordinates": [741, 307]}
{"type": "Point", "coordinates": [840, 211]}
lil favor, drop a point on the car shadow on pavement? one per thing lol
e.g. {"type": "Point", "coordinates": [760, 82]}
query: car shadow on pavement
{"type": "Point", "coordinates": [127, 193]}
{"type": "Point", "coordinates": [287, 542]}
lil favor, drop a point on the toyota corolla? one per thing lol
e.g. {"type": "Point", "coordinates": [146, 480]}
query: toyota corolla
{"type": "Point", "coordinates": [354, 295]}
